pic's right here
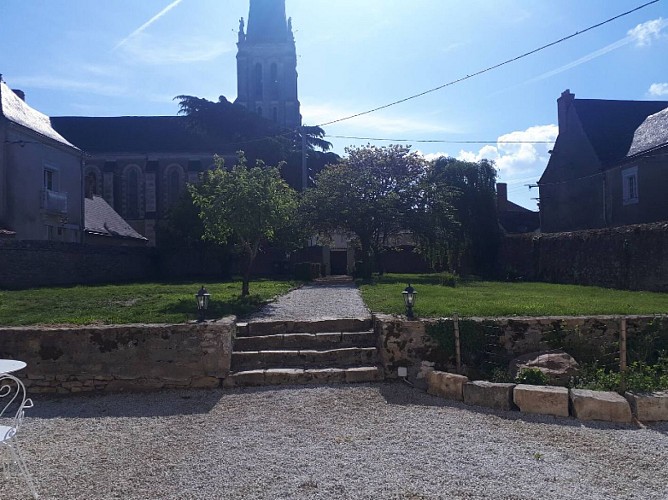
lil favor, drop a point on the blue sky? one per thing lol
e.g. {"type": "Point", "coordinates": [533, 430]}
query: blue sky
{"type": "Point", "coordinates": [131, 57]}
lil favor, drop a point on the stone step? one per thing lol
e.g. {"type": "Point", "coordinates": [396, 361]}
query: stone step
{"type": "Point", "coordinates": [317, 341]}
{"type": "Point", "coordinates": [304, 358]}
{"type": "Point", "coordinates": [304, 376]}
{"type": "Point", "coordinates": [264, 328]}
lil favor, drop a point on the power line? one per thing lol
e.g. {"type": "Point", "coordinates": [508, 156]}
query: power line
{"type": "Point", "coordinates": [435, 141]}
{"type": "Point", "coordinates": [490, 68]}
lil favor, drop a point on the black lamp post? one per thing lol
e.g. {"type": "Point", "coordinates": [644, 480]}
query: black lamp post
{"type": "Point", "coordinates": [409, 294]}
{"type": "Point", "coordinates": [202, 303]}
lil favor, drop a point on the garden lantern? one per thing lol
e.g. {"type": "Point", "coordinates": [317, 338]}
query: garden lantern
{"type": "Point", "coordinates": [409, 294]}
{"type": "Point", "coordinates": [202, 303]}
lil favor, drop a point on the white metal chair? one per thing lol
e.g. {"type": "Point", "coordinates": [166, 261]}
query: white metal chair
{"type": "Point", "coordinates": [13, 402]}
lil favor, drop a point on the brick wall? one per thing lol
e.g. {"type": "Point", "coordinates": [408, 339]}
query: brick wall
{"type": "Point", "coordinates": [118, 358]}
{"type": "Point", "coordinates": [628, 257]}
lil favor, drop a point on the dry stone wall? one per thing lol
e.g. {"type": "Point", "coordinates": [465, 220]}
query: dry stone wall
{"type": "Point", "coordinates": [120, 358]}
{"type": "Point", "coordinates": [403, 343]}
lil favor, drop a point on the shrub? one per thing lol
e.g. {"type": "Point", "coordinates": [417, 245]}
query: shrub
{"type": "Point", "coordinates": [448, 279]}
{"type": "Point", "coordinates": [639, 377]}
{"type": "Point", "coordinates": [531, 376]}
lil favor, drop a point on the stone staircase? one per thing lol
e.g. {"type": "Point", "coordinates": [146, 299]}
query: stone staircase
{"type": "Point", "coordinates": [304, 352]}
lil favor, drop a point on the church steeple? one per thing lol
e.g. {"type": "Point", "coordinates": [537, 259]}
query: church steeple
{"type": "Point", "coordinates": [267, 64]}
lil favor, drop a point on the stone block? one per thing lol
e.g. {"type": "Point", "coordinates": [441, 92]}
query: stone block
{"type": "Point", "coordinates": [363, 374]}
{"type": "Point", "coordinates": [650, 407]}
{"type": "Point", "coordinates": [600, 405]}
{"type": "Point", "coordinates": [490, 395]}
{"type": "Point", "coordinates": [205, 382]}
{"type": "Point", "coordinates": [446, 385]}
{"type": "Point", "coordinates": [325, 375]}
{"type": "Point", "coordinates": [249, 378]}
{"type": "Point", "coordinates": [284, 376]}
{"type": "Point", "coordinates": [542, 399]}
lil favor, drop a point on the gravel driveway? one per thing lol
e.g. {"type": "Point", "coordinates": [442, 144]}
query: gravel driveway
{"type": "Point", "coordinates": [377, 441]}
{"type": "Point", "coordinates": [321, 300]}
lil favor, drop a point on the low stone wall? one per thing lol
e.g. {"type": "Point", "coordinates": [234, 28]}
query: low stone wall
{"type": "Point", "coordinates": [119, 358]}
{"type": "Point", "coordinates": [409, 343]}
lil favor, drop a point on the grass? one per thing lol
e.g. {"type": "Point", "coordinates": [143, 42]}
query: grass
{"type": "Point", "coordinates": [493, 299]}
{"type": "Point", "coordinates": [133, 303]}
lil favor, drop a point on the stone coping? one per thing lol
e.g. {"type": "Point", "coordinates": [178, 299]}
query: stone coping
{"type": "Point", "coordinates": [520, 318]}
{"type": "Point", "coordinates": [581, 404]}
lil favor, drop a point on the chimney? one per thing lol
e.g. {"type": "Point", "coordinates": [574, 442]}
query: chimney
{"type": "Point", "coordinates": [501, 196]}
{"type": "Point", "coordinates": [20, 94]}
{"type": "Point", "coordinates": [564, 104]}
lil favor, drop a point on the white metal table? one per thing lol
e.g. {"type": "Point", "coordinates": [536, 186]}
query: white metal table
{"type": "Point", "coordinates": [11, 365]}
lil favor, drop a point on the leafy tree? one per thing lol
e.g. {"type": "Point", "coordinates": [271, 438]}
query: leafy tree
{"type": "Point", "coordinates": [232, 126]}
{"type": "Point", "coordinates": [471, 243]}
{"type": "Point", "coordinates": [369, 194]}
{"type": "Point", "coordinates": [182, 232]}
{"type": "Point", "coordinates": [246, 206]}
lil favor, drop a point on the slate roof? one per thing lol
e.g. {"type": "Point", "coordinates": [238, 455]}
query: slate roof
{"type": "Point", "coordinates": [137, 134]}
{"type": "Point", "coordinates": [653, 133]}
{"type": "Point", "coordinates": [17, 111]}
{"type": "Point", "coordinates": [267, 22]}
{"type": "Point", "coordinates": [611, 125]}
{"type": "Point", "coordinates": [103, 220]}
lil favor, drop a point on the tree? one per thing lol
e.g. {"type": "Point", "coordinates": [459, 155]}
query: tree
{"type": "Point", "coordinates": [245, 206]}
{"type": "Point", "coordinates": [231, 126]}
{"type": "Point", "coordinates": [369, 194]}
{"type": "Point", "coordinates": [470, 187]}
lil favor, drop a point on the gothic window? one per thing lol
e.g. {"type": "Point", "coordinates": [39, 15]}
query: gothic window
{"type": "Point", "coordinates": [275, 114]}
{"type": "Point", "coordinates": [259, 110]}
{"type": "Point", "coordinates": [258, 83]}
{"type": "Point", "coordinates": [274, 81]}
{"type": "Point", "coordinates": [132, 193]}
{"type": "Point", "coordinates": [173, 185]}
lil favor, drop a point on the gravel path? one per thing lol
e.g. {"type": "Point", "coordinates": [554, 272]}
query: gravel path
{"type": "Point", "coordinates": [378, 441]}
{"type": "Point", "coordinates": [324, 300]}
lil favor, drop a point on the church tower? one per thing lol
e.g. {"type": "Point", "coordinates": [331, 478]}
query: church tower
{"type": "Point", "coordinates": [267, 64]}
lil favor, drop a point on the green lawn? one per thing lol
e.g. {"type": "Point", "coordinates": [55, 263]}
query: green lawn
{"type": "Point", "coordinates": [486, 298]}
{"type": "Point", "coordinates": [135, 303]}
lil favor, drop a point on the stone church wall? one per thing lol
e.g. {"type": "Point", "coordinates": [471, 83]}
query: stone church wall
{"type": "Point", "coordinates": [628, 257]}
{"type": "Point", "coordinates": [26, 264]}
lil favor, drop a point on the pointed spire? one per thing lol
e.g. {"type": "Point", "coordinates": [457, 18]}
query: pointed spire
{"type": "Point", "coordinates": [267, 21]}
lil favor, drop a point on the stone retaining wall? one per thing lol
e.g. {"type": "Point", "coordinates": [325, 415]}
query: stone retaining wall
{"type": "Point", "coordinates": [408, 343]}
{"type": "Point", "coordinates": [119, 358]}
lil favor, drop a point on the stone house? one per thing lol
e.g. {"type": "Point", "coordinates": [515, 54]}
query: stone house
{"type": "Point", "coordinates": [40, 175]}
{"type": "Point", "coordinates": [608, 166]}
{"type": "Point", "coordinates": [513, 218]}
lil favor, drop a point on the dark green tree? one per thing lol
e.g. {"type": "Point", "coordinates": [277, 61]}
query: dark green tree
{"type": "Point", "coordinates": [246, 206]}
{"type": "Point", "coordinates": [370, 194]}
{"type": "Point", "coordinates": [471, 245]}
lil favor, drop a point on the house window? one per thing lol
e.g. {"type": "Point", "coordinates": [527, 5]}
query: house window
{"type": "Point", "coordinates": [630, 186]}
{"type": "Point", "coordinates": [50, 179]}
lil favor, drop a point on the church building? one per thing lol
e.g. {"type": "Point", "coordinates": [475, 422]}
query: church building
{"type": "Point", "coordinates": [267, 64]}
{"type": "Point", "coordinates": [140, 164]}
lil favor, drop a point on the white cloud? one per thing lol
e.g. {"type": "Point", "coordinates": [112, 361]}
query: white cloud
{"type": "Point", "coordinates": [377, 124]}
{"type": "Point", "coordinates": [146, 49]}
{"type": "Point", "coordinates": [658, 89]}
{"type": "Point", "coordinates": [148, 23]}
{"type": "Point", "coordinates": [644, 34]}
{"type": "Point", "coordinates": [518, 153]}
